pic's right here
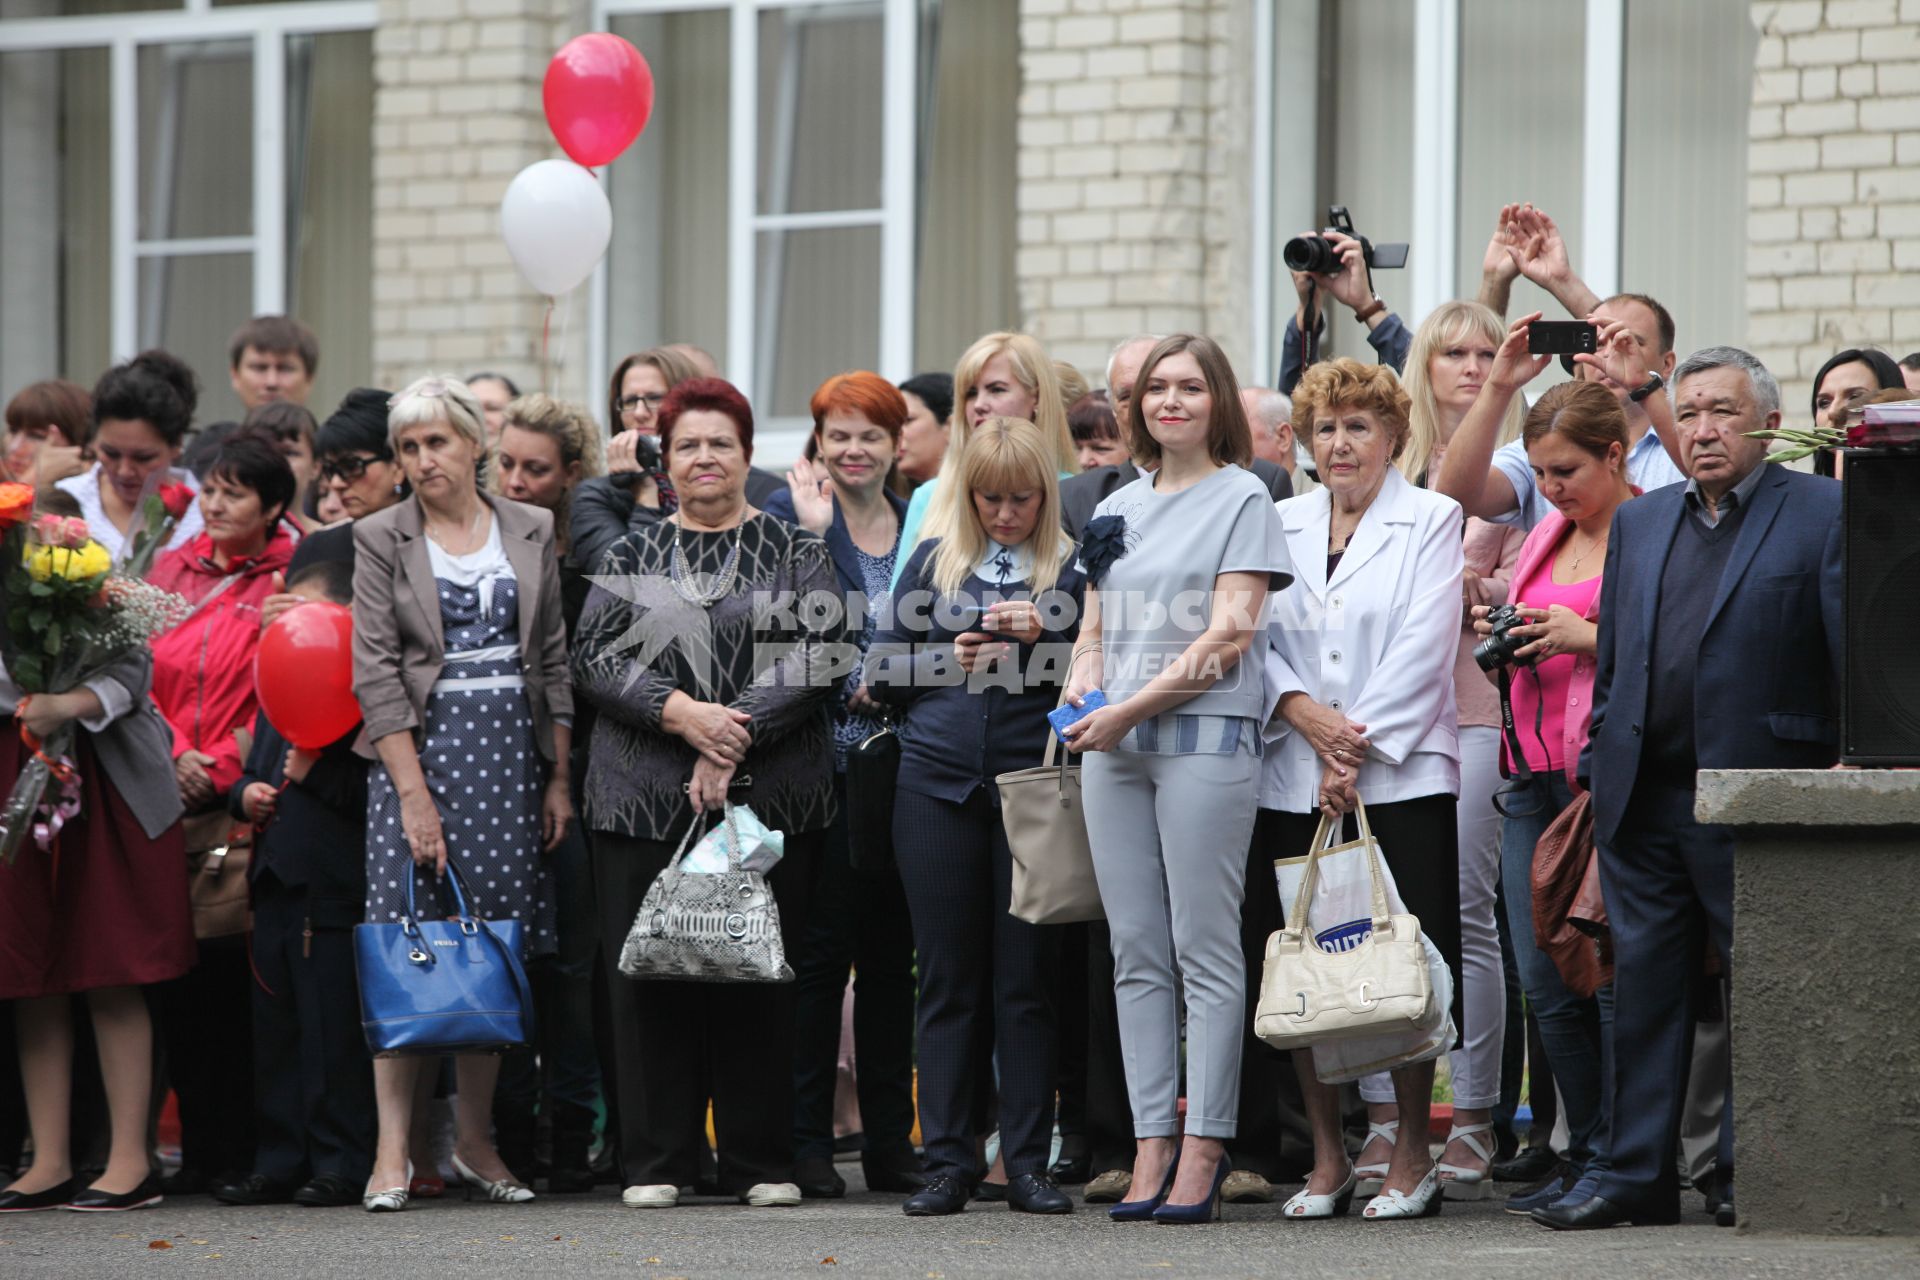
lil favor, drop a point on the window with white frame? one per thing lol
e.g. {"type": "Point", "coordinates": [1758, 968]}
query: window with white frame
{"type": "Point", "coordinates": [1440, 111]}
{"type": "Point", "coordinates": [188, 166]}
{"type": "Point", "coordinates": [767, 214]}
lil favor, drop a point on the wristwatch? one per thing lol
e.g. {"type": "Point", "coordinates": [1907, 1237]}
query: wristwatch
{"type": "Point", "coordinates": [1653, 383]}
{"type": "Point", "coordinates": [1371, 310]}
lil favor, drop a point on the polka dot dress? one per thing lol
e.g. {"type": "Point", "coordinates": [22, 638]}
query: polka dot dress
{"type": "Point", "coordinates": [481, 762]}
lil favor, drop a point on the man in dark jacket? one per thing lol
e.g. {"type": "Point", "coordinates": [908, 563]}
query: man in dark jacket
{"type": "Point", "coordinates": [1719, 648]}
{"type": "Point", "coordinates": [313, 1085]}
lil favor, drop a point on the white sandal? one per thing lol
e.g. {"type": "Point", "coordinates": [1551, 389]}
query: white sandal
{"type": "Point", "coordinates": [1306, 1206]}
{"type": "Point", "coordinates": [1424, 1202]}
{"type": "Point", "coordinates": [1457, 1183]}
{"type": "Point", "coordinates": [1374, 1176]}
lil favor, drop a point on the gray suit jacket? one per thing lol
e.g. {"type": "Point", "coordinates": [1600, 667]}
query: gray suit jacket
{"type": "Point", "coordinates": [1080, 494]}
{"type": "Point", "coordinates": [398, 647]}
{"type": "Point", "coordinates": [136, 751]}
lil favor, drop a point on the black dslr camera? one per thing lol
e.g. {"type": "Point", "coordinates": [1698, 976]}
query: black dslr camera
{"type": "Point", "coordinates": [1496, 650]}
{"type": "Point", "coordinates": [1315, 253]}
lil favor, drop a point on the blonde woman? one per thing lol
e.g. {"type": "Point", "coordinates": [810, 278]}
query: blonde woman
{"type": "Point", "coordinates": [1006, 554]}
{"type": "Point", "coordinates": [1449, 362]}
{"type": "Point", "coordinates": [1003, 375]}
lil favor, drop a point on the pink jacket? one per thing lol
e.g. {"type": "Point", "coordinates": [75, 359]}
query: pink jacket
{"type": "Point", "coordinates": [1535, 552]}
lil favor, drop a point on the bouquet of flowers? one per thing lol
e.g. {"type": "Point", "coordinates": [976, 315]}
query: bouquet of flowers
{"type": "Point", "coordinates": [69, 613]}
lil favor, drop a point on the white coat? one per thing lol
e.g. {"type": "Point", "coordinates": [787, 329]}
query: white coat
{"type": "Point", "coordinates": [1375, 643]}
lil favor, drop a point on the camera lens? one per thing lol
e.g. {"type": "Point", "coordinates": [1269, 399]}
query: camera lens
{"type": "Point", "coordinates": [1310, 253]}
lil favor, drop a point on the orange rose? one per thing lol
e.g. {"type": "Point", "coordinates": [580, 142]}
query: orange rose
{"type": "Point", "coordinates": [16, 504]}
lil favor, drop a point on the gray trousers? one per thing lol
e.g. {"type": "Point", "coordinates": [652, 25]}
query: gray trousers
{"type": "Point", "coordinates": [1169, 837]}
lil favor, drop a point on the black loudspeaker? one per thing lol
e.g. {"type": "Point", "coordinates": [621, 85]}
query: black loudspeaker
{"type": "Point", "coordinates": [1880, 682]}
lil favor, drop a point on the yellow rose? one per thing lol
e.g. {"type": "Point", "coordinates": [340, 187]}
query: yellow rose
{"type": "Point", "coordinates": [89, 561]}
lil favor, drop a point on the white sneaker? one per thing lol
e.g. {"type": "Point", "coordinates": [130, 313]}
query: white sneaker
{"type": "Point", "coordinates": [780, 1195]}
{"type": "Point", "coordinates": [657, 1196]}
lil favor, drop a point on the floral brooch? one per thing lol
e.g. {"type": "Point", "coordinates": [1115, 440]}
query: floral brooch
{"type": "Point", "coordinates": [1104, 541]}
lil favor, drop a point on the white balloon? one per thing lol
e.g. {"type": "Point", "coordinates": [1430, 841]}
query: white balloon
{"type": "Point", "coordinates": [556, 222]}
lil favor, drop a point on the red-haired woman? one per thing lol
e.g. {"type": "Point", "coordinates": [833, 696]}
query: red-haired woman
{"type": "Point", "coordinates": [858, 918]}
{"type": "Point", "coordinates": [691, 714]}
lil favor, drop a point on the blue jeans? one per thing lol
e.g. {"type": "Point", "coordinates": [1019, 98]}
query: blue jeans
{"type": "Point", "coordinates": [1577, 1031]}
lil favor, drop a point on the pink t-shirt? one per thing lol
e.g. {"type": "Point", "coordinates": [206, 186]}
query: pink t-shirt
{"type": "Point", "coordinates": [1540, 591]}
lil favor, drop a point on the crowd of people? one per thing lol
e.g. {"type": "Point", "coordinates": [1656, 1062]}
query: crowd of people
{"type": "Point", "coordinates": [565, 661]}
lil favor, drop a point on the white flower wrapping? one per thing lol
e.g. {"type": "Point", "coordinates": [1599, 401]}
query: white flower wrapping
{"type": "Point", "coordinates": [761, 848]}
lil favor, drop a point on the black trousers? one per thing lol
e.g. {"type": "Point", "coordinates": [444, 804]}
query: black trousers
{"type": "Point", "coordinates": [1108, 1114]}
{"type": "Point", "coordinates": [855, 919]}
{"type": "Point", "coordinates": [1275, 1139]}
{"type": "Point", "coordinates": [312, 1075]}
{"type": "Point", "coordinates": [207, 1029]}
{"type": "Point", "coordinates": [558, 1076]}
{"type": "Point", "coordinates": [1668, 882]}
{"type": "Point", "coordinates": [978, 966]}
{"type": "Point", "coordinates": [681, 1045]}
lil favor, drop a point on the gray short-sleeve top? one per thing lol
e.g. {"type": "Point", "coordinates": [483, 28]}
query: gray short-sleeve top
{"type": "Point", "coordinates": [1157, 598]}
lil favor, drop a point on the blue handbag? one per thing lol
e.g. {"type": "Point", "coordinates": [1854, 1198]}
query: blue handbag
{"type": "Point", "coordinates": [442, 986]}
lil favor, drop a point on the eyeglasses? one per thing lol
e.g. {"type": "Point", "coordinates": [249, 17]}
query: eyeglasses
{"type": "Point", "coordinates": [628, 404]}
{"type": "Point", "coordinates": [347, 467]}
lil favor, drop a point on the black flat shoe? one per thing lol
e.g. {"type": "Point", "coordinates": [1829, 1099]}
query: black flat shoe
{"type": "Point", "coordinates": [902, 1176]}
{"type": "Point", "coordinates": [1072, 1171]}
{"type": "Point", "coordinates": [54, 1197]}
{"type": "Point", "coordinates": [990, 1192]}
{"type": "Point", "coordinates": [943, 1195]}
{"type": "Point", "coordinates": [1531, 1165]}
{"type": "Point", "coordinates": [254, 1188]}
{"type": "Point", "coordinates": [818, 1180]}
{"type": "Point", "coordinates": [1588, 1215]}
{"type": "Point", "coordinates": [328, 1191]}
{"type": "Point", "coordinates": [1035, 1193]}
{"type": "Point", "coordinates": [94, 1200]}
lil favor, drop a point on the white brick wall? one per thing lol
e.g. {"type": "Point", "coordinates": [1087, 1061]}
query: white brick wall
{"type": "Point", "coordinates": [1833, 228]}
{"type": "Point", "coordinates": [456, 115]}
{"type": "Point", "coordinates": [1133, 187]}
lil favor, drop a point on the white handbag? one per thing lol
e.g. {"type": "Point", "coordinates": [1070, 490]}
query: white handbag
{"type": "Point", "coordinates": [1378, 984]}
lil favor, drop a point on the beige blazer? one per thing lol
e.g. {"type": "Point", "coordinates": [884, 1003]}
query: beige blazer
{"type": "Point", "coordinates": [398, 647]}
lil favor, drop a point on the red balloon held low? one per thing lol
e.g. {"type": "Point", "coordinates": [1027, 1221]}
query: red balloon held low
{"type": "Point", "coordinates": [304, 672]}
{"type": "Point", "coordinates": [598, 94]}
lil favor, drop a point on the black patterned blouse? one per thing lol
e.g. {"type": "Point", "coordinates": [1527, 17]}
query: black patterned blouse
{"type": "Point", "coordinates": [757, 648]}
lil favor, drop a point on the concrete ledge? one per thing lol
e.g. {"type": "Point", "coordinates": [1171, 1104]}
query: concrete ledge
{"type": "Point", "coordinates": [1826, 1043]}
{"type": "Point", "coordinates": [1851, 798]}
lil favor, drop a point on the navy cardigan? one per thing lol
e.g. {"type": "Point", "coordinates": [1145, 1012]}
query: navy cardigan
{"type": "Point", "coordinates": [959, 732]}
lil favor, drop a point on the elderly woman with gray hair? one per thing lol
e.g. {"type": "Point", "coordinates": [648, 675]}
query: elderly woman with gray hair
{"type": "Point", "coordinates": [460, 664]}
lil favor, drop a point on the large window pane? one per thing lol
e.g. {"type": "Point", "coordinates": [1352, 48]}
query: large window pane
{"type": "Point", "coordinates": [967, 174]}
{"type": "Point", "coordinates": [1522, 103]}
{"type": "Point", "coordinates": [189, 305]}
{"type": "Point", "coordinates": [196, 140]}
{"type": "Point", "coordinates": [820, 108]}
{"type": "Point", "coordinates": [80, 8]}
{"type": "Point", "coordinates": [667, 265]}
{"type": "Point", "coordinates": [1367, 161]}
{"type": "Point", "coordinates": [818, 311]}
{"type": "Point", "coordinates": [330, 205]}
{"type": "Point", "coordinates": [54, 229]}
{"type": "Point", "coordinates": [1685, 189]}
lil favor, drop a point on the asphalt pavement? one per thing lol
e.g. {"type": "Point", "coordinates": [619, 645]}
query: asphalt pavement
{"type": "Point", "coordinates": [866, 1235]}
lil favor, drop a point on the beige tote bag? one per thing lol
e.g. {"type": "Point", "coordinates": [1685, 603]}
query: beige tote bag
{"type": "Point", "coordinates": [1052, 862]}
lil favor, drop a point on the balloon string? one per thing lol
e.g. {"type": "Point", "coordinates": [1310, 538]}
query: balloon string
{"type": "Point", "coordinates": [546, 336]}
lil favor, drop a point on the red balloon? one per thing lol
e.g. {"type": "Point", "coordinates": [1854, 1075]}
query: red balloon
{"type": "Point", "coordinates": [598, 94]}
{"type": "Point", "coordinates": [304, 672]}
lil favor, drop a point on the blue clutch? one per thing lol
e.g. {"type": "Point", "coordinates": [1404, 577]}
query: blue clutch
{"type": "Point", "coordinates": [442, 986]}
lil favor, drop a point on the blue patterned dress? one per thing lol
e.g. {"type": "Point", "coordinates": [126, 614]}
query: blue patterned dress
{"type": "Point", "coordinates": [480, 759]}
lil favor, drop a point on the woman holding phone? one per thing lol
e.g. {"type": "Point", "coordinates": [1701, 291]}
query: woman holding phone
{"type": "Point", "coordinates": [971, 660]}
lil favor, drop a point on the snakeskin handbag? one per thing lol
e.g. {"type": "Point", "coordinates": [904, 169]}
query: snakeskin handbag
{"type": "Point", "coordinates": [694, 927]}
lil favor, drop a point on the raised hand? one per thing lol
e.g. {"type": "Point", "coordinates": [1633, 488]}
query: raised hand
{"type": "Point", "coordinates": [1541, 252]}
{"type": "Point", "coordinates": [1500, 262]}
{"type": "Point", "coordinates": [1513, 366]}
{"type": "Point", "coordinates": [812, 495]}
{"type": "Point", "coordinates": [1617, 359]}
